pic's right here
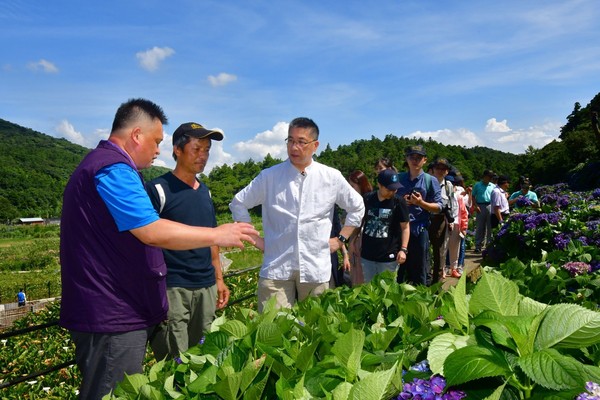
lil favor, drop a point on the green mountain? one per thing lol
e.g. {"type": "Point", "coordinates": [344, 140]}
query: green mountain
{"type": "Point", "coordinates": [34, 167]}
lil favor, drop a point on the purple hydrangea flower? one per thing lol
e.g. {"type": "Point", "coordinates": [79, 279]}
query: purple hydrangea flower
{"type": "Point", "coordinates": [431, 389]}
{"type": "Point", "coordinates": [523, 201]}
{"type": "Point", "coordinates": [562, 240]}
{"type": "Point", "coordinates": [592, 392]}
{"type": "Point", "coordinates": [577, 268]}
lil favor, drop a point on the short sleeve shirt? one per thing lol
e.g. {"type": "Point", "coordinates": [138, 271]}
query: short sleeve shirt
{"type": "Point", "coordinates": [124, 194]}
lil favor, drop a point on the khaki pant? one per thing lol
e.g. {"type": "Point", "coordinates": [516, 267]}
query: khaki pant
{"type": "Point", "coordinates": [191, 312]}
{"type": "Point", "coordinates": [286, 292]}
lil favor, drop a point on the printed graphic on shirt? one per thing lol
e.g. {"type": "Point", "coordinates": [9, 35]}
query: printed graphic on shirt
{"type": "Point", "coordinates": [378, 223]}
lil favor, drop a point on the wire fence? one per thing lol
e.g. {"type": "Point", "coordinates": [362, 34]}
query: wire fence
{"type": "Point", "coordinates": [17, 312]}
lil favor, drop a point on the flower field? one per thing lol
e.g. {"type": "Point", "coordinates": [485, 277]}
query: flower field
{"type": "Point", "coordinates": [528, 328]}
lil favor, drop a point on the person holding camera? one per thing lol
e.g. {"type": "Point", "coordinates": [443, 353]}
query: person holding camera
{"type": "Point", "coordinates": [422, 194]}
{"type": "Point", "coordinates": [443, 222]}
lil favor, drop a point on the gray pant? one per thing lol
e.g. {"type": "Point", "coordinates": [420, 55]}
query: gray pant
{"type": "Point", "coordinates": [191, 312]}
{"type": "Point", "coordinates": [105, 358]}
{"type": "Point", "coordinates": [484, 226]}
{"type": "Point", "coordinates": [372, 268]}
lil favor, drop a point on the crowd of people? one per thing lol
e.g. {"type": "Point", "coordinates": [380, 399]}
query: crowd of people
{"type": "Point", "coordinates": [140, 262]}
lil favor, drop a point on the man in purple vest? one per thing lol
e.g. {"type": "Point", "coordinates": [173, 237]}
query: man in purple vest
{"type": "Point", "coordinates": [112, 267]}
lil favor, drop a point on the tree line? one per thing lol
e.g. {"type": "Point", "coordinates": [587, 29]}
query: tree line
{"type": "Point", "coordinates": [34, 167]}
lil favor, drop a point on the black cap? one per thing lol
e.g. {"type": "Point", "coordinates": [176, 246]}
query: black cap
{"type": "Point", "coordinates": [389, 179]}
{"type": "Point", "coordinates": [441, 162]}
{"type": "Point", "coordinates": [196, 130]}
{"type": "Point", "coordinates": [416, 149]}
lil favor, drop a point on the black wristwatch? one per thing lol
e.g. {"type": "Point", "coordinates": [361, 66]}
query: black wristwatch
{"type": "Point", "coordinates": [343, 239]}
{"type": "Point", "coordinates": [404, 250]}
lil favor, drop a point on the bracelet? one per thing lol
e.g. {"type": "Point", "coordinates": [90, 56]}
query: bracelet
{"type": "Point", "coordinates": [404, 250]}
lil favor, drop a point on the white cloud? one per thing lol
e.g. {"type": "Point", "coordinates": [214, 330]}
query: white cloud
{"type": "Point", "coordinates": [222, 79]}
{"type": "Point", "coordinates": [270, 141]}
{"type": "Point", "coordinates": [458, 137]}
{"type": "Point", "coordinates": [44, 66]}
{"type": "Point", "coordinates": [496, 126]}
{"type": "Point", "coordinates": [66, 129]}
{"type": "Point", "coordinates": [518, 140]}
{"type": "Point", "coordinates": [150, 59]}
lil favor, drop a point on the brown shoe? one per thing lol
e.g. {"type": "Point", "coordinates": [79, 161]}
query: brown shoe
{"type": "Point", "coordinates": [455, 274]}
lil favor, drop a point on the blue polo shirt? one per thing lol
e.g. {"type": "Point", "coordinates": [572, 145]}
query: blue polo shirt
{"type": "Point", "coordinates": [419, 216]}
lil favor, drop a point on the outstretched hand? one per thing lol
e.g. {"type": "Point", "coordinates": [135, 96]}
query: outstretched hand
{"type": "Point", "coordinates": [233, 235]}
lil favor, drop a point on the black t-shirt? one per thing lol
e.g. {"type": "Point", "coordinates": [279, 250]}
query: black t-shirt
{"type": "Point", "coordinates": [381, 230]}
{"type": "Point", "coordinates": [185, 268]}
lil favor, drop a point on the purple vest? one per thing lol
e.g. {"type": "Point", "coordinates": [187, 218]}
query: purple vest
{"type": "Point", "coordinates": [111, 282]}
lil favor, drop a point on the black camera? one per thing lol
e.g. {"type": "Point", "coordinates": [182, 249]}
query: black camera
{"type": "Point", "coordinates": [448, 214]}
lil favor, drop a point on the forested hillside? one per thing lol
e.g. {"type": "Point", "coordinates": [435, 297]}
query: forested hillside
{"type": "Point", "coordinates": [35, 167]}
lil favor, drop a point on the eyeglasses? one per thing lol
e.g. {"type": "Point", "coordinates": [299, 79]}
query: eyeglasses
{"type": "Point", "coordinates": [300, 143]}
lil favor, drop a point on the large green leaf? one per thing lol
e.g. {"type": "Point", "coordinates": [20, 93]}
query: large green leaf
{"type": "Point", "coordinates": [495, 293]}
{"type": "Point", "coordinates": [553, 370]}
{"type": "Point", "coordinates": [250, 372]}
{"type": "Point", "coordinates": [131, 385]}
{"type": "Point", "coordinates": [269, 334]}
{"type": "Point", "coordinates": [228, 387]}
{"type": "Point", "coordinates": [441, 347]}
{"type": "Point", "coordinates": [256, 389]}
{"type": "Point", "coordinates": [374, 386]}
{"type": "Point", "coordinates": [234, 328]}
{"type": "Point", "coordinates": [461, 304]}
{"type": "Point", "coordinates": [348, 350]}
{"type": "Point", "coordinates": [474, 362]}
{"type": "Point", "coordinates": [568, 325]}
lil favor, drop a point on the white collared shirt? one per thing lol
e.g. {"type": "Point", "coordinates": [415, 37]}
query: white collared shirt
{"type": "Point", "coordinates": [297, 211]}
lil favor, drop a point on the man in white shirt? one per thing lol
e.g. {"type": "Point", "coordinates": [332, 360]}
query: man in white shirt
{"type": "Point", "coordinates": [499, 201]}
{"type": "Point", "coordinates": [297, 198]}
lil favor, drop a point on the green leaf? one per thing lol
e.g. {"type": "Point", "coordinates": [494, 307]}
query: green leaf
{"type": "Point", "coordinates": [255, 391]}
{"type": "Point", "coordinates": [305, 357]}
{"type": "Point", "coordinates": [472, 362]}
{"type": "Point", "coordinates": [497, 395]}
{"type": "Point", "coordinates": [530, 307]}
{"type": "Point", "coordinates": [568, 325]}
{"type": "Point", "coordinates": [201, 383]}
{"type": "Point", "coordinates": [495, 293]}
{"type": "Point", "coordinates": [348, 349]}
{"type": "Point", "coordinates": [131, 384]}
{"type": "Point", "coordinates": [269, 334]}
{"type": "Point", "coordinates": [373, 386]}
{"type": "Point", "coordinates": [553, 370]}
{"type": "Point", "coordinates": [461, 304]}
{"type": "Point", "coordinates": [441, 347]}
{"type": "Point", "coordinates": [250, 372]}
{"type": "Point", "coordinates": [169, 387]}
{"type": "Point", "coordinates": [342, 391]}
{"type": "Point", "coordinates": [229, 386]}
{"type": "Point", "coordinates": [155, 370]}
{"type": "Point", "coordinates": [234, 328]}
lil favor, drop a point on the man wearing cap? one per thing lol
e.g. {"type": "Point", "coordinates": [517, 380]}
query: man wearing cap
{"type": "Point", "coordinates": [524, 193]}
{"type": "Point", "coordinates": [297, 198]}
{"type": "Point", "coordinates": [112, 268]}
{"type": "Point", "coordinates": [481, 194]}
{"type": "Point", "coordinates": [443, 223]}
{"type": "Point", "coordinates": [499, 201]}
{"type": "Point", "coordinates": [422, 193]}
{"type": "Point", "coordinates": [195, 286]}
{"type": "Point", "coordinates": [386, 228]}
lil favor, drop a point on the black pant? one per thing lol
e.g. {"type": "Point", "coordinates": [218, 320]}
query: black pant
{"type": "Point", "coordinates": [496, 222]}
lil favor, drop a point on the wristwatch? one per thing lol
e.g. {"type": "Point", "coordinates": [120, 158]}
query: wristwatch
{"type": "Point", "coordinates": [404, 250]}
{"type": "Point", "coordinates": [343, 239]}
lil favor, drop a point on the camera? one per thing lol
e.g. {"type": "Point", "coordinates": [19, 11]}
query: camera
{"type": "Point", "coordinates": [414, 192]}
{"type": "Point", "coordinates": [448, 214]}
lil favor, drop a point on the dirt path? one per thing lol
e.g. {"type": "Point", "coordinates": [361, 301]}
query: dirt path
{"type": "Point", "coordinates": [472, 263]}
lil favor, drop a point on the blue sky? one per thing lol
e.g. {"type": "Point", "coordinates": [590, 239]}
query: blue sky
{"type": "Point", "coordinates": [502, 74]}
